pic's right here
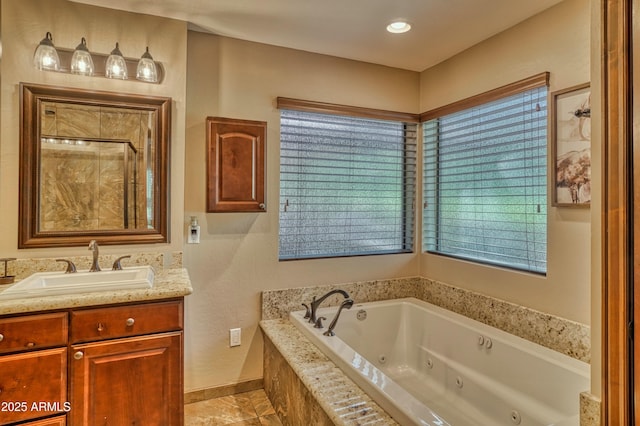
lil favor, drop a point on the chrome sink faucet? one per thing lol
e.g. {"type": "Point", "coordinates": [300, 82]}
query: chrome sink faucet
{"type": "Point", "coordinates": [93, 246]}
{"type": "Point", "coordinates": [316, 303]}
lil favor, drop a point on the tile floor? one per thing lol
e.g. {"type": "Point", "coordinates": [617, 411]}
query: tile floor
{"type": "Point", "coordinates": [242, 409]}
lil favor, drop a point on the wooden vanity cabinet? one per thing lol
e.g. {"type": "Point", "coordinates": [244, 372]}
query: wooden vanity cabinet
{"type": "Point", "coordinates": [126, 365]}
{"type": "Point", "coordinates": [112, 365]}
{"type": "Point", "coordinates": [33, 367]}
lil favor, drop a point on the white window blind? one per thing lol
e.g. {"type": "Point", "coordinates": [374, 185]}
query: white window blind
{"type": "Point", "coordinates": [347, 185]}
{"type": "Point", "coordinates": [485, 182]}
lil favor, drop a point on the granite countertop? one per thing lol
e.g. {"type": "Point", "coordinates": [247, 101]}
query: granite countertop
{"type": "Point", "coordinates": [168, 283]}
{"type": "Point", "coordinates": [343, 401]}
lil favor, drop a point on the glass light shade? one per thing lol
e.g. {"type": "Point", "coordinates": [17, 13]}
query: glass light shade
{"type": "Point", "coordinates": [116, 66]}
{"type": "Point", "coordinates": [81, 61]}
{"type": "Point", "coordinates": [46, 56]}
{"type": "Point", "coordinates": [147, 70]}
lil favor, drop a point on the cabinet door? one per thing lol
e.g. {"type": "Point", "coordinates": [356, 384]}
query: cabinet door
{"type": "Point", "coordinates": [235, 165]}
{"type": "Point", "coordinates": [134, 381]}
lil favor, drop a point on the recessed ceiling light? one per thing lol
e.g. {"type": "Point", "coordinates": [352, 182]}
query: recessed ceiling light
{"type": "Point", "coordinates": [398, 27]}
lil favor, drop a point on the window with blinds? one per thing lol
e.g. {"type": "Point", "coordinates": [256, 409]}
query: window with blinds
{"type": "Point", "coordinates": [347, 185]}
{"type": "Point", "coordinates": [485, 182]}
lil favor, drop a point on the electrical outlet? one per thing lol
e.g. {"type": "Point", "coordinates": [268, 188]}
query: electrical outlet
{"type": "Point", "coordinates": [235, 337]}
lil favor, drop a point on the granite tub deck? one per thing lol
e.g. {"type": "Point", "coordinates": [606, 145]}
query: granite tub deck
{"type": "Point", "coordinates": [332, 398]}
{"type": "Point", "coordinates": [305, 387]}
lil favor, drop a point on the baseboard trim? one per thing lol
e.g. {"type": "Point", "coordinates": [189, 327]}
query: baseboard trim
{"type": "Point", "coordinates": [225, 390]}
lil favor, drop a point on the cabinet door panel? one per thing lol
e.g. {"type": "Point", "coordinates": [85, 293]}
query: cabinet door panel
{"type": "Point", "coordinates": [54, 421]}
{"type": "Point", "coordinates": [32, 384]}
{"type": "Point", "coordinates": [135, 381]}
{"type": "Point", "coordinates": [235, 165]}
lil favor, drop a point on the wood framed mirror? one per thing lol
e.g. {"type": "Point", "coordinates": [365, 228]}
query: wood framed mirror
{"type": "Point", "coordinates": [93, 165]}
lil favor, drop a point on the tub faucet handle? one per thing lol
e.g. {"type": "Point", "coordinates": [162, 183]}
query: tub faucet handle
{"type": "Point", "coordinates": [308, 313]}
{"type": "Point", "coordinates": [312, 310]}
{"type": "Point", "coordinates": [318, 323]}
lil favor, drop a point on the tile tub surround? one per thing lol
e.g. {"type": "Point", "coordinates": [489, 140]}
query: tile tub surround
{"type": "Point", "coordinates": [590, 409]}
{"type": "Point", "coordinates": [168, 283]}
{"type": "Point", "coordinates": [278, 303]}
{"type": "Point", "coordinates": [305, 387]}
{"type": "Point", "coordinates": [562, 335]}
{"type": "Point", "coordinates": [308, 363]}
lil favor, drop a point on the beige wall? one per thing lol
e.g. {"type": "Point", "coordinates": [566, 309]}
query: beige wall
{"type": "Point", "coordinates": [214, 76]}
{"type": "Point", "coordinates": [238, 254]}
{"type": "Point", "coordinates": [24, 24]}
{"type": "Point", "coordinates": [556, 41]}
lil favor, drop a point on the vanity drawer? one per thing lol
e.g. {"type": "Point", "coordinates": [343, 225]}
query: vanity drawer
{"type": "Point", "coordinates": [30, 378]}
{"type": "Point", "coordinates": [33, 332]}
{"type": "Point", "coordinates": [121, 321]}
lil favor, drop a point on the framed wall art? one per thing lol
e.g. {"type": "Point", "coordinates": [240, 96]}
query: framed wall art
{"type": "Point", "coordinates": [570, 115]}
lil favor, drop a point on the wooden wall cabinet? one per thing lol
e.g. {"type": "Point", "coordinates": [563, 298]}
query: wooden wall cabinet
{"type": "Point", "coordinates": [123, 364]}
{"type": "Point", "coordinates": [235, 165]}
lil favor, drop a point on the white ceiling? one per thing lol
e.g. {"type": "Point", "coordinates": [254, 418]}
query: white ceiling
{"type": "Point", "coordinates": [353, 29]}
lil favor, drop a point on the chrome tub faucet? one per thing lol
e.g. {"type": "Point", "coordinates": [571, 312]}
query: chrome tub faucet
{"type": "Point", "coordinates": [316, 303]}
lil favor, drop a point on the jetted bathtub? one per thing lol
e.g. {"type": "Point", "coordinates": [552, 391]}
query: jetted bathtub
{"type": "Point", "coordinates": [425, 365]}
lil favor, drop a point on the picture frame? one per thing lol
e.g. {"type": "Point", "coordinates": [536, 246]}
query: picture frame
{"type": "Point", "coordinates": [570, 131]}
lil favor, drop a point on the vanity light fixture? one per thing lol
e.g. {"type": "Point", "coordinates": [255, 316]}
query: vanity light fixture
{"type": "Point", "coordinates": [81, 62]}
{"type": "Point", "coordinates": [116, 66]}
{"type": "Point", "coordinates": [46, 56]}
{"type": "Point", "coordinates": [398, 27]}
{"type": "Point", "coordinates": [146, 70]}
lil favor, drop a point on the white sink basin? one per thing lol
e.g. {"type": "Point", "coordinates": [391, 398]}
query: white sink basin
{"type": "Point", "coordinates": [43, 284]}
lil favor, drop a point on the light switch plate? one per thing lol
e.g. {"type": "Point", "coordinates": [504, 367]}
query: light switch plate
{"type": "Point", "coordinates": [235, 337]}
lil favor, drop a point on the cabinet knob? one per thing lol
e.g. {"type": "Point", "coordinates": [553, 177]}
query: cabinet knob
{"type": "Point", "coordinates": [262, 206]}
{"type": "Point", "coordinates": [1, 337]}
{"type": "Point", "coordinates": [78, 355]}
{"type": "Point", "coordinates": [130, 322]}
